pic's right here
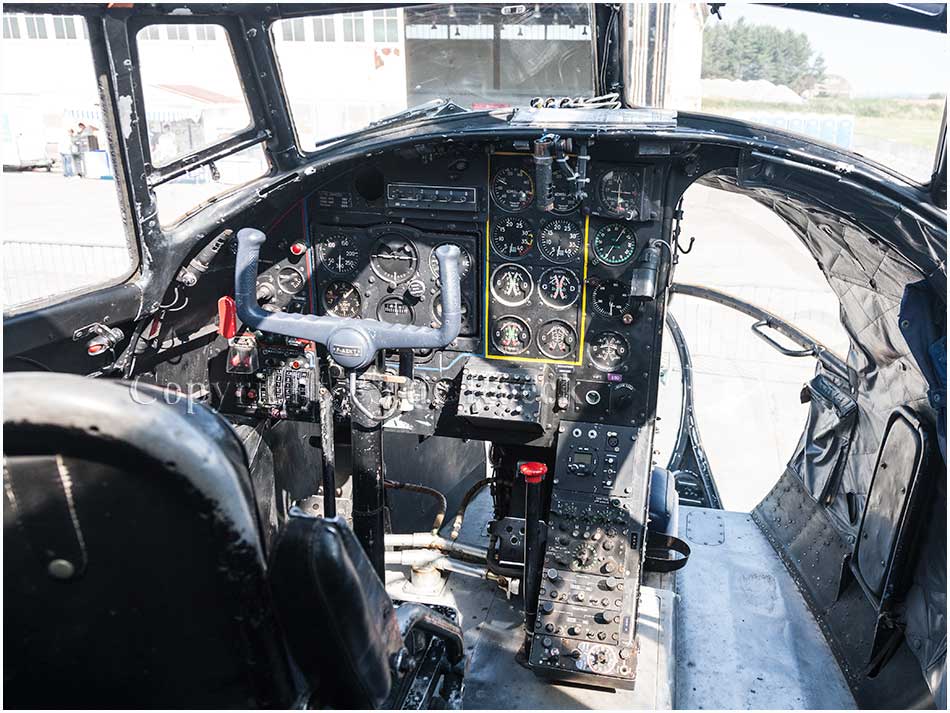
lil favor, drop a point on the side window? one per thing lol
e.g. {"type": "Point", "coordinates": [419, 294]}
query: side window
{"type": "Point", "coordinates": [193, 97]}
{"type": "Point", "coordinates": [62, 224]}
{"type": "Point", "coordinates": [194, 100]}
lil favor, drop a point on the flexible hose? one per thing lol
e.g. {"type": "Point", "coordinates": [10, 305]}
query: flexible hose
{"type": "Point", "coordinates": [466, 499]}
{"type": "Point", "coordinates": [416, 488]}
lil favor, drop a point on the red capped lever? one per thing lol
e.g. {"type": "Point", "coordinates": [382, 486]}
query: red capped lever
{"type": "Point", "coordinates": [533, 471]}
{"type": "Point", "coordinates": [227, 317]}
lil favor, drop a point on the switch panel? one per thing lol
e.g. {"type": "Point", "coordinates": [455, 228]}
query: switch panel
{"type": "Point", "coordinates": [585, 628]}
{"type": "Point", "coordinates": [513, 397]}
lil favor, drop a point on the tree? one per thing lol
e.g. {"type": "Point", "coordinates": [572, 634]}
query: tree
{"type": "Point", "coordinates": [741, 50]}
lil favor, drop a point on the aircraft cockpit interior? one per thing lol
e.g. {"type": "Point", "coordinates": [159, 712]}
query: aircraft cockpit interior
{"type": "Point", "coordinates": [378, 429]}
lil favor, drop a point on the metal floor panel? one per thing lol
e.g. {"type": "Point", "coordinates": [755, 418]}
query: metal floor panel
{"type": "Point", "coordinates": [745, 637]}
{"type": "Point", "coordinates": [493, 633]}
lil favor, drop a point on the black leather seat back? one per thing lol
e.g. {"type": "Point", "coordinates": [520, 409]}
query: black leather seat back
{"type": "Point", "coordinates": [133, 571]}
{"type": "Point", "coordinates": [338, 619]}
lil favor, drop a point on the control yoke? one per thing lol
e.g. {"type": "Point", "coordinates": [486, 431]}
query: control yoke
{"type": "Point", "coordinates": [351, 342]}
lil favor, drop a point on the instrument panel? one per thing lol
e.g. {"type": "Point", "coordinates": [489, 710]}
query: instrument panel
{"type": "Point", "coordinates": [389, 273]}
{"type": "Point", "coordinates": [546, 288]}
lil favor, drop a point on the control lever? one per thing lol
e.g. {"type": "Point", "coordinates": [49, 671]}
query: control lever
{"type": "Point", "coordinates": [351, 342]}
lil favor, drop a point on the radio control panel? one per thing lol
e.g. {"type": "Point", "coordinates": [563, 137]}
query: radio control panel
{"type": "Point", "coordinates": [585, 628]}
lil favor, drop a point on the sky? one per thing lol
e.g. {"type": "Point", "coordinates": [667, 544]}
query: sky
{"type": "Point", "coordinates": [877, 59]}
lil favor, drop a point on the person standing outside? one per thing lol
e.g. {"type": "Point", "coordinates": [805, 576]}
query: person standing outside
{"type": "Point", "coordinates": [66, 144]}
{"type": "Point", "coordinates": [77, 150]}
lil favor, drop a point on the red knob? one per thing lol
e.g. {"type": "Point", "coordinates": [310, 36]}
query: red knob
{"type": "Point", "coordinates": [298, 249]}
{"type": "Point", "coordinates": [533, 472]}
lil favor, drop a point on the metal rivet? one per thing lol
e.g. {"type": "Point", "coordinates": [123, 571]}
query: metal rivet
{"type": "Point", "coordinates": [61, 569]}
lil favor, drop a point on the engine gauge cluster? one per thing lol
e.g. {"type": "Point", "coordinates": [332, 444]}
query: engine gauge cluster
{"type": "Point", "coordinates": [557, 339]}
{"type": "Point", "coordinates": [559, 288]}
{"type": "Point", "coordinates": [511, 335]}
{"type": "Point", "coordinates": [511, 285]}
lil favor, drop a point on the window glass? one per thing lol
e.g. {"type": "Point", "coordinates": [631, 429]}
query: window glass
{"type": "Point", "coordinates": [872, 88]}
{"type": "Point", "coordinates": [353, 27]}
{"type": "Point", "coordinates": [35, 27]}
{"type": "Point", "coordinates": [64, 27]}
{"type": "Point", "coordinates": [11, 27]}
{"type": "Point", "coordinates": [193, 97]}
{"type": "Point", "coordinates": [383, 61]}
{"type": "Point", "coordinates": [182, 195]}
{"type": "Point", "coordinates": [293, 31]}
{"type": "Point", "coordinates": [385, 26]}
{"type": "Point", "coordinates": [61, 223]}
{"type": "Point", "coordinates": [324, 29]}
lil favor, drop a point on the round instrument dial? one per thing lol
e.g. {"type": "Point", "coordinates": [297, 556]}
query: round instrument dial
{"type": "Point", "coordinates": [565, 197]}
{"type": "Point", "coordinates": [611, 298]}
{"type": "Point", "coordinates": [608, 350]}
{"type": "Point", "coordinates": [290, 280]}
{"type": "Point", "coordinates": [394, 310]}
{"type": "Point", "coordinates": [394, 258]}
{"type": "Point", "coordinates": [614, 244]}
{"type": "Point", "coordinates": [557, 339]}
{"type": "Point", "coordinates": [512, 238]}
{"type": "Point", "coordinates": [561, 240]}
{"type": "Point", "coordinates": [510, 336]}
{"type": "Point", "coordinates": [619, 191]}
{"type": "Point", "coordinates": [466, 327]}
{"type": "Point", "coordinates": [339, 253]}
{"type": "Point", "coordinates": [342, 299]}
{"type": "Point", "coordinates": [559, 287]}
{"type": "Point", "coordinates": [465, 261]}
{"type": "Point", "coordinates": [511, 285]}
{"type": "Point", "coordinates": [512, 189]}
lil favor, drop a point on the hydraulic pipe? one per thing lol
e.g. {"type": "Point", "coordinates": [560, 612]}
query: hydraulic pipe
{"type": "Point", "coordinates": [533, 473]}
{"type": "Point", "coordinates": [466, 499]}
{"type": "Point", "coordinates": [433, 558]}
{"type": "Point", "coordinates": [424, 490]}
{"type": "Point", "coordinates": [425, 540]}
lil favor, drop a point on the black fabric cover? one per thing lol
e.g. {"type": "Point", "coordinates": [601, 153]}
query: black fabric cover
{"type": "Point", "coordinates": [339, 621]}
{"type": "Point", "coordinates": [822, 450]}
{"type": "Point", "coordinates": [150, 503]}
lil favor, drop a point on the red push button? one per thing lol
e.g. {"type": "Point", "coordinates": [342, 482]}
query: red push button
{"type": "Point", "coordinates": [298, 249]}
{"type": "Point", "coordinates": [533, 472]}
{"type": "Point", "coordinates": [227, 317]}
